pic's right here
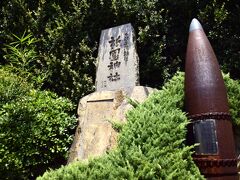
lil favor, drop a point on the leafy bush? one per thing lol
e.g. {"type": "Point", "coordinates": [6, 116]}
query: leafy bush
{"type": "Point", "coordinates": [36, 129]}
{"type": "Point", "coordinates": [233, 90]}
{"type": "Point", "coordinates": [151, 144]}
{"type": "Point", "coordinates": [12, 87]}
{"type": "Point", "coordinates": [62, 45]}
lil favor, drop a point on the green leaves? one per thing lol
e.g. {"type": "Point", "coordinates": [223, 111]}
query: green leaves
{"type": "Point", "coordinates": [23, 59]}
{"type": "Point", "coordinates": [36, 128]}
{"type": "Point", "coordinates": [150, 146]}
{"type": "Point", "coordinates": [69, 31]}
{"type": "Point", "coordinates": [20, 53]}
{"type": "Point", "coordinates": [12, 87]}
{"type": "Point", "coordinates": [233, 90]}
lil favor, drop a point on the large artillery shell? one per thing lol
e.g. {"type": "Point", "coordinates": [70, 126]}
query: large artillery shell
{"type": "Point", "coordinates": [207, 106]}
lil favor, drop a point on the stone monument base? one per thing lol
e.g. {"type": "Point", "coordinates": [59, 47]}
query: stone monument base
{"type": "Point", "coordinates": [95, 135]}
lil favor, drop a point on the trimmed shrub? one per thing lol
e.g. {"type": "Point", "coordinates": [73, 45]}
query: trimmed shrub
{"type": "Point", "coordinates": [233, 90]}
{"type": "Point", "coordinates": [36, 128]}
{"type": "Point", "coordinates": [151, 144]}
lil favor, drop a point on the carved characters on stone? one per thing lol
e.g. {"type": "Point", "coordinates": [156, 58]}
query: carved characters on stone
{"type": "Point", "coordinates": [117, 59]}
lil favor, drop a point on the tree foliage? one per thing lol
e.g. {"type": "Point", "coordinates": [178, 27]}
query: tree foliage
{"type": "Point", "coordinates": [36, 128]}
{"type": "Point", "coordinates": [68, 34]}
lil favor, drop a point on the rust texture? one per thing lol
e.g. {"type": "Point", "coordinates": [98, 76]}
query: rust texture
{"type": "Point", "coordinates": [207, 105]}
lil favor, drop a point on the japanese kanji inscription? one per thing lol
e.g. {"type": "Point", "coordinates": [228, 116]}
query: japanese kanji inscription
{"type": "Point", "coordinates": [117, 59]}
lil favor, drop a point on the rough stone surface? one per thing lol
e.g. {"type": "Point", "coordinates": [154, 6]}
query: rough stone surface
{"type": "Point", "coordinates": [117, 78]}
{"type": "Point", "coordinates": [95, 135]}
{"type": "Point", "coordinates": [118, 65]}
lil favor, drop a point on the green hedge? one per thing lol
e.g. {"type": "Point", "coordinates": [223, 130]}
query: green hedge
{"type": "Point", "coordinates": [151, 144]}
{"type": "Point", "coordinates": [36, 128]}
{"type": "Point", "coordinates": [233, 90]}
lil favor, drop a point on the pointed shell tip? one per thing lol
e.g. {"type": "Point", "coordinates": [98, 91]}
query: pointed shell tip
{"type": "Point", "coordinates": [195, 24]}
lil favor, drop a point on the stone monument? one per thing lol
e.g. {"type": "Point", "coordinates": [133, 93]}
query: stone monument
{"type": "Point", "coordinates": [117, 59]}
{"type": "Point", "coordinates": [117, 78]}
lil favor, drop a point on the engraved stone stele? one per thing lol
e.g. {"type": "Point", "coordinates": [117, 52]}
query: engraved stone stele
{"type": "Point", "coordinates": [117, 79]}
{"type": "Point", "coordinates": [118, 65]}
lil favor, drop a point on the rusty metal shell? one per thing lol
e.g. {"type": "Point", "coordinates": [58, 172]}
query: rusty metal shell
{"type": "Point", "coordinates": [207, 107]}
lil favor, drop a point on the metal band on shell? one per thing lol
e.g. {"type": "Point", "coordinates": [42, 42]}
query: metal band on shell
{"type": "Point", "coordinates": [205, 163]}
{"type": "Point", "coordinates": [211, 115]}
